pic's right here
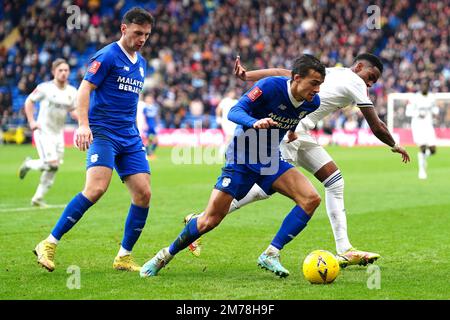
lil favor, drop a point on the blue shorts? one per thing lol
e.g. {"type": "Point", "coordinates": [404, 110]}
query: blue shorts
{"type": "Point", "coordinates": [126, 159]}
{"type": "Point", "coordinates": [151, 131]}
{"type": "Point", "coordinates": [238, 179]}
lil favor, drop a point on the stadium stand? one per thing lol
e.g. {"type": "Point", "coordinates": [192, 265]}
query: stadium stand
{"type": "Point", "coordinates": [192, 48]}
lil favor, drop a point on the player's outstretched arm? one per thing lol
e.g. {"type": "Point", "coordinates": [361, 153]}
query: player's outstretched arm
{"type": "Point", "coordinates": [381, 131]}
{"type": "Point", "coordinates": [83, 135]}
{"type": "Point", "coordinates": [256, 75]}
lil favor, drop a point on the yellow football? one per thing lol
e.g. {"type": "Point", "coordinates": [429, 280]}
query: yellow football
{"type": "Point", "coordinates": [320, 266]}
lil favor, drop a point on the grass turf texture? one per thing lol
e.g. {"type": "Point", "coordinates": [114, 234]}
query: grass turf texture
{"type": "Point", "coordinates": [389, 211]}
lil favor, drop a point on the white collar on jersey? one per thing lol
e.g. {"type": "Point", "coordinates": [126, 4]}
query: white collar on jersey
{"type": "Point", "coordinates": [134, 59]}
{"type": "Point", "coordinates": [291, 97]}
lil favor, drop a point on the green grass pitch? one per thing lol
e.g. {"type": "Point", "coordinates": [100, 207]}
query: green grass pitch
{"type": "Point", "coordinates": [389, 211]}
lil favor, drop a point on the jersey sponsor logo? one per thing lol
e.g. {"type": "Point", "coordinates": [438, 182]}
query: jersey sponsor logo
{"type": "Point", "coordinates": [94, 158]}
{"type": "Point", "coordinates": [226, 182]}
{"type": "Point", "coordinates": [255, 93]}
{"type": "Point", "coordinates": [95, 65]}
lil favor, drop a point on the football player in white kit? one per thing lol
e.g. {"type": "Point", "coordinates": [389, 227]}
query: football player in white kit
{"type": "Point", "coordinates": [342, 87]}
{"type": "Point", "coordinates": [222, 110]}
{"type": "Point", "coordinates": [421, 109]}
{"type": "Point", "coordinates": [56, 99]}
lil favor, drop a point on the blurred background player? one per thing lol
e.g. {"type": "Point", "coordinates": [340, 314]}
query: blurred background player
{"type": "Point", "coordinates": [107, 104]}
{"type": "Point", "coordinates": [149, 109]}
{"type": "Point", "coordinates": [422, 108]}
{"type": "Point", "coordinates": [222, 110]}
{"type": "Point", "coordinates": [264, 114]}
{"type": "Point", "coordinates": [57, 98]}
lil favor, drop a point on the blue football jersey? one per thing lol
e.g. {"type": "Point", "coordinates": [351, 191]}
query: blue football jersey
{"type": "Point", "coordinates": [269, 98]}
{"type": "Point", "coordinates": [113, 104]}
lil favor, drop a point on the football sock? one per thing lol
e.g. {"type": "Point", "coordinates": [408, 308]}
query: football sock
{"type": "Point", "coordinates": [71, 215]}
{"type": "Point", "coordinates": [137, 216]}
{"type": "Point", "coordinates": [189, 234]}
{"type": "Point", "coordinates": [294, 222]}
{"type": "Point", "coordinates": [255, 194]}
{"type": "Point", "coordinates": [46, 181]}
{"type": "Point", "coordinates": [52, 239]}
{"type": "Point", "coordinates": [334, 200]}
{"type": "Point", "coordinates": [271, 250]}
{"type": "Point", "coordinates": [123, 252]}
{"type": "Point", "coordinates": [37, 164]}
{"type": "Point", "coordinates": [422, 161]}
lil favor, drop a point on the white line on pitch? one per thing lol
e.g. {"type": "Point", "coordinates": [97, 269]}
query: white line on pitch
{"type": "Point", "coordinates": [55, 206]}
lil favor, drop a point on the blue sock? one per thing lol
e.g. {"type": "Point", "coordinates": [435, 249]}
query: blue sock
{"type": "Point", "coordinates": [137, 216]}
{"type": "Point", "coordinates": [71, 215]}
{"type": "Point", "coordinates": [187, 236]}
{"type": "Point", "coordinates": [294, 222]}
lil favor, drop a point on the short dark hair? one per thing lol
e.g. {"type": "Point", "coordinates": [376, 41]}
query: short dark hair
{"type": "Point", "coordinates": [371, 58]}
{"type": "Point", "coordinates": [307, 62]}
{"type": "Point", "coordinates": [139, 16]}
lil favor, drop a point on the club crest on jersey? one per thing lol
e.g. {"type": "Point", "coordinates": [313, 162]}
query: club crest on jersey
{"type": "Point", "coordinates": [255, 93]}
{"type": "Point", "coordinates": [141, 70]}
{"type": "Point", "coordinates": [95, 65]}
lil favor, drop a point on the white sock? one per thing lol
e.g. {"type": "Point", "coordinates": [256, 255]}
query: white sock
{"type": "Point", "coordinates": [334, 200]}
{"type": "Point", "coordinates": [123, 252]}
{"type": "Point", "coordinates": [422, 158]}
{"type": "Point", "coordinates": [52, 239]}
{"type": "Point", "coordinates": [271, 250]}
{"type": "Point", "coordinates": [46, 181]}
{"type": "Point", "coordinates": [255, 194]}
{"type": "Point", "coordinates": [37, 164]}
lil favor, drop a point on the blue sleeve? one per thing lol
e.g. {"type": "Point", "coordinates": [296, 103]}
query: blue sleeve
{"type": "Point", "coordinates": [242, 113]}
{"type": "Point", "coordinates": [239, 114]}
{"type": "Point", "coordinates": [98, 68]}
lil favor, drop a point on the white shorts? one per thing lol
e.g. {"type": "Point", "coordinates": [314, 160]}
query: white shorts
{"type": "Point", "coordinates": [305, 152]}
{"type": "Point", "coordinates": [50, 147]}
{"type": "Point", "coordinates": [423, 133]}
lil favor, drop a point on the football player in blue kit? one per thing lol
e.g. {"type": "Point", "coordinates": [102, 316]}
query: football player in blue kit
{"type": "Point", "coordinates": [107, 105]}
{"type": "Point", "coordinates": [271, 108]}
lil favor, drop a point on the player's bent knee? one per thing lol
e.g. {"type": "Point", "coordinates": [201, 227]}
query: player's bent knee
{"type": "Point", "coordinates": [311, 203]}
{"type": "Point", "coordinates": [208, 223]}
{"type": "Point", "coordinates": [142, 198]}
{"type": "Point", "coordinates": [94, 193]}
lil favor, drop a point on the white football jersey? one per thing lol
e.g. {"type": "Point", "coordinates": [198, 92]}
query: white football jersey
{"type": "Point", "coordinates": [342, 87]}
{"type": "Point", "coordinates": [54, 105]}
{"type": "Point", "coordinates": [422, 107]}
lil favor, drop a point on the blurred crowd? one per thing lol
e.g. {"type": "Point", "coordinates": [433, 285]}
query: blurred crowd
{"type": "Point", "coordinates": [193, 45]}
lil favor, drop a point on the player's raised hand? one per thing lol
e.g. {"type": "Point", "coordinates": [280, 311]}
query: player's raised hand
{"type": "Point", "coordinates": [239, 70]}
{"type": "Point", "coordinates": [405, 156]}
{"type": "Point", "coordinates": [83, 138]}
{"type": "Point", "coordinates": [265, 123]}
